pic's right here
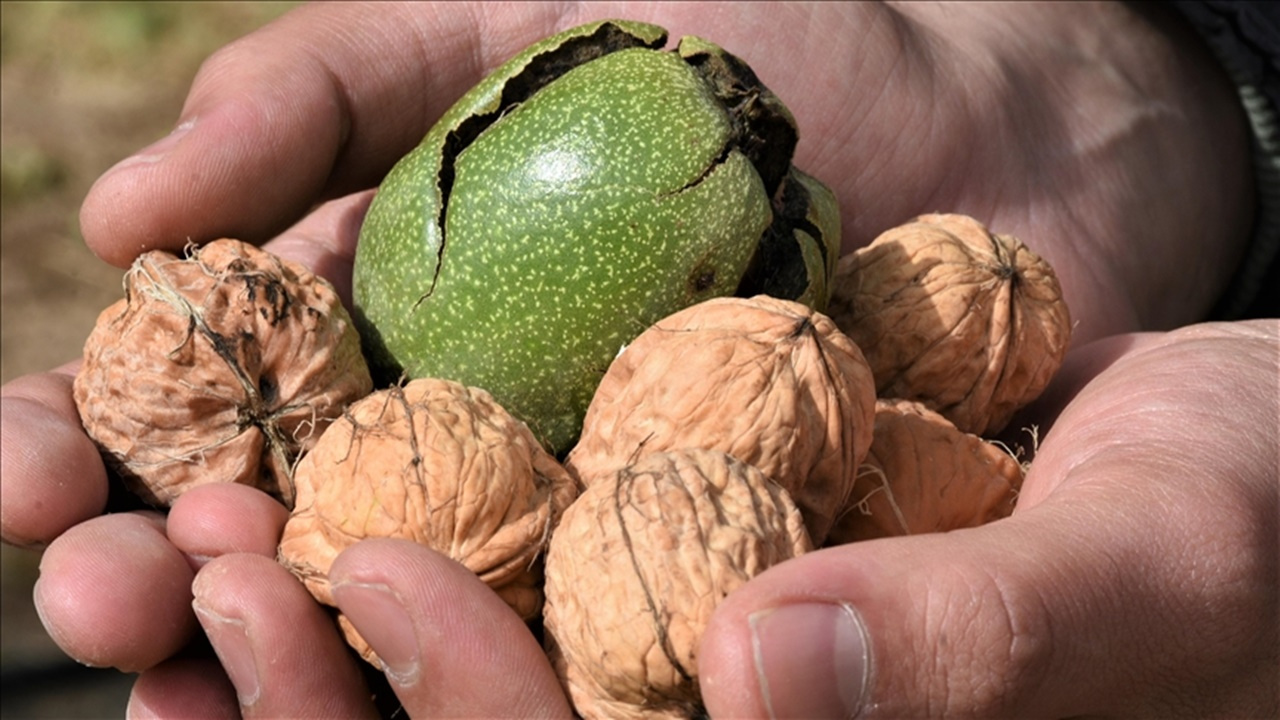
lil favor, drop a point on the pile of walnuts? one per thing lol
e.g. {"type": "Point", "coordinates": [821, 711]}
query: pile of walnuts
{"type": "Point", "coordinates": [720, 423]}
{"type": "Point", "coordinates": [726, 438]}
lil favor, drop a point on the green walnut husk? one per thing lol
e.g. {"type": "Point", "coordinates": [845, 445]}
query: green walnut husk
{"type": "Point", "coordinates": [590, 186]}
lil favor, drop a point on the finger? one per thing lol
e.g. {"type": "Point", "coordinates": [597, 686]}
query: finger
{"type": "Point", "coordinates": [194, 688]}
{"type": "Point", "coordinates": [451, 646]}
{"type": "Point", "coordinates": [1156, 384]}
{"type": "Point", "coordinates": [113, 592]}
{"type": "Point", "coordinates": [210, 521]}
{"type": "Point", "coordinates": [317, 104]}
{"type": "Point", "coordinates": [1080, 366]}
{"type": "Point", "coordinates": [280, 648]}
{"type": "Point", "coordinates": [53, 476]}
{"type": "Point", "coordinates": [969, 624]}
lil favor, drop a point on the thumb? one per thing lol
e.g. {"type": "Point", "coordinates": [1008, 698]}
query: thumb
{"type": "Point", "coordinates": [1137, 577]}
{"type": "Point", "coordinates": [1028, 616]}
{"type": "Point", "coordinates": [315, 105]}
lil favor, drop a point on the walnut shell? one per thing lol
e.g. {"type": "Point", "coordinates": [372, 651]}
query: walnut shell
{"type": "Point", "coordinates": [638, 564]}
{"type": "Point", "coordinates": [437, 463]}
{"type": "Point", "coordinates": [970, 323]}
{"type": "Point", "coordinates": [925, 475]}
{"type": "Point", "coordinates": [224, 366]}
{"type": "Point", "coordinates": [771, 382]}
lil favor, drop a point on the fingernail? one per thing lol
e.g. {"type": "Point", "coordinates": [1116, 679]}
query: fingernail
{"type": "Point", "coordinates": [811, 659]}
{"type": "Point", "coordinates": [230, 641]}
{"type": "Point", "coordinates": [378, 614]}
{"type": "Point", "coordinates": [158, 150]}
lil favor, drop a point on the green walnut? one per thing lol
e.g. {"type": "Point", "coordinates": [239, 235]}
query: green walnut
{"type": "Point", "coordinates": [590, 186]}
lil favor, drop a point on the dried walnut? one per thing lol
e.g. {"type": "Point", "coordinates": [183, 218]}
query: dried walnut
{"type": "Point", "coordinates": [638, 564]}
{"type": "Point", "coordinates": [437, 463]}
{"type": "Point", "coordinates": [224, 366]}
{"type": "Point", "coordinates": [769, 381]}
{"type": "Point", "coordinates": [970, 323]}
{"type": "Point", "coordinates": [924, 475]}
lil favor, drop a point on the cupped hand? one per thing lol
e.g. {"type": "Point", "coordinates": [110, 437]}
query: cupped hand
{"type": "Point", "coordinates": [1105, 139]}
{"type": "Point", "coordinates": [1137, 577]}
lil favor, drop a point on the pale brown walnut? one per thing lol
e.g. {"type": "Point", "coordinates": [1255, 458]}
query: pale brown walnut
{"type": "Point", "coordinates": [437, 463]}
{"type": "Point", "coordinates": [925, 475]}
{"type": "Point", "coordinates": [638, 564]}
{"type": "Point", "coordinates": [971, 323]}
{"type": "Point", "coordinates": [771, 382]}
{"type": "Point", "coordinates": [222, 366]}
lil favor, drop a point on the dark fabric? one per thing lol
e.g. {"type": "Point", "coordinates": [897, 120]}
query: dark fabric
{"type": "Point", "coordinates": [1245, 37]}
{"type": "Point", "coordinates": [1253, 26]}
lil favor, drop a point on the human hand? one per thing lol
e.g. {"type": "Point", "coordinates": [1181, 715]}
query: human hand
{"type": "Point", "coordinates": [966, 123]}
{"type": "Point", "coordinates": [1137, 576]}
{"type": "Point", "coordinates": [1125, 583]}
{"type": "Point", "coordinates": [455, 649]}
{"type": "Point", "coordinates": [1104, 138]}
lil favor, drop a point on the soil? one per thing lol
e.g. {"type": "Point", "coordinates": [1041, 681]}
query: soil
{"type": "Point", "coordinates": [82, 85]}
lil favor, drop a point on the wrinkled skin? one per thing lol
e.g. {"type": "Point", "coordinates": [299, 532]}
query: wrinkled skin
{"type": "Point", "coordinates": [1139, 575]}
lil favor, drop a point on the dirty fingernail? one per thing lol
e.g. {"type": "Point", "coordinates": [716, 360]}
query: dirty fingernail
{"type": "Point", "coordinates": [811, 659]}
{"type": "Point", "coordinates": [230, 641]}
{"type": "Point", "coordinates": [378, 614]}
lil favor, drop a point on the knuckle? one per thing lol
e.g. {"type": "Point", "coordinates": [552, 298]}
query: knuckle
{"type": "Point", "coordinates": [986, 640]}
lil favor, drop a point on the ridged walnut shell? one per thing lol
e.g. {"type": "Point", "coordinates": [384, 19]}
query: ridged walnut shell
{"type": "Point", "coordinates": [639, 563]}
{"type": "Point", "coordinates": [771, 382]}
{"type": "Point", "coordinates": [223, 366]}
{"type": "Point", "coordinates": [968, 322]}
{"type": "Point", "coordinates": [437, 463]}
{"type": "Point", "coordinates": [924, 475]}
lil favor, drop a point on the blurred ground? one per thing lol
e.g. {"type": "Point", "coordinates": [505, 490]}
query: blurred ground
{"type": "Point", "coordinates": [82, 85]}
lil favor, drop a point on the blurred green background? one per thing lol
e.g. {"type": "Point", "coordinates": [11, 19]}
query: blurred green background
{"type": "Point", "coordinates": [82, 85]}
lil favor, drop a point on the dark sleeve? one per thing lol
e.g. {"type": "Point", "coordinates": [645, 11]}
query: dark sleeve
{"type": "Point", "coordinates": [1245, 37]}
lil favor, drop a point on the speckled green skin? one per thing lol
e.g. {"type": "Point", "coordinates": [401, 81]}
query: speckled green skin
{"type": "Point", "coordinates": [608, 199]}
